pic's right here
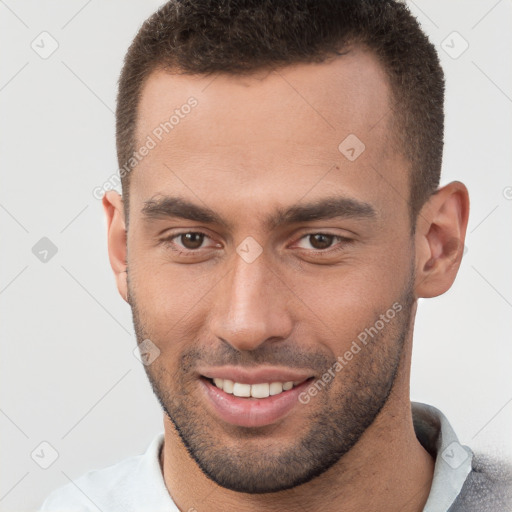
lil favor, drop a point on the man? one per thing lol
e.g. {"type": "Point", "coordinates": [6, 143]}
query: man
{"type": "Point", "coordinates": [281, 215]}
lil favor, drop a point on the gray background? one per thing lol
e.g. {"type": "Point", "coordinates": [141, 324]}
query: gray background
{"type": "Point", "coordinates": [68, 373]}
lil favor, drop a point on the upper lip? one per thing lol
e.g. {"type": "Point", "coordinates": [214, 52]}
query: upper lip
{"type": "Point", "coordinates": [254, 376]}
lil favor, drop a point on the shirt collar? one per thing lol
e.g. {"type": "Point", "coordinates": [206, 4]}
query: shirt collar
{"type": "Point", "coordinates": [452, 460]}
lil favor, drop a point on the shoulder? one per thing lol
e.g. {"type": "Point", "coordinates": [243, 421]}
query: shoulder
{"type": "Point", "coordinates": [93, 489]}
{"type": "Point", "coordinates": [118, 487]}
{"type": "Point", "coordinates": [487, 487]}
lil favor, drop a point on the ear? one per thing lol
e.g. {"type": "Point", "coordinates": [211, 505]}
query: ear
{"type": "Point", "coordinates": [116, 229]}
{"type": "Point", "coordinates": [440, 234]}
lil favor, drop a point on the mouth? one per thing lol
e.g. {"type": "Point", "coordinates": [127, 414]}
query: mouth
{"type": "Point", "coordinates": [258, 390]}
{"type": "Point", "coordinates": [255, 404]}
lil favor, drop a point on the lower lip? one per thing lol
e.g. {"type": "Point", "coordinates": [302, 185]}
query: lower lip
{"type": "Point", "coordinates": [251, 412]}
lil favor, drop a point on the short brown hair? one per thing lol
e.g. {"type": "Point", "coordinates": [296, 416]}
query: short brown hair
{"type": "Point", "coordinates": [240, 36]}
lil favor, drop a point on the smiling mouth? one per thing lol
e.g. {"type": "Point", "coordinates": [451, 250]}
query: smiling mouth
{"type": "Point", "coordinates": [259, 390]}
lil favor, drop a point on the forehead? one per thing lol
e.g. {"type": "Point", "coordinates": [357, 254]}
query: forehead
{"type": "Point", "coordinates": [277, 132]}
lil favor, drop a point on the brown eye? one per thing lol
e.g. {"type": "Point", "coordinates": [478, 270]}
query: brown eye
{"type": "Point", "coordinates": [191, 240]}
{"type": "Point", "coordinates": [321, 241]}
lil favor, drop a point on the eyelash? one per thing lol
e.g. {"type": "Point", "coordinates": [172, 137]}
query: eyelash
{"type": "Point", "coordinates": [168, 241]}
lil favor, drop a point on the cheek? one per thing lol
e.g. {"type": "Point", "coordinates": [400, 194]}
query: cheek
{"type": "Point", "coordinates": [343, 304]}
{"type": "Point", "coordinates": [165, 290]}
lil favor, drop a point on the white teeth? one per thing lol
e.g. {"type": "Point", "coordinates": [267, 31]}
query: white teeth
{"type": "Point", "coordinates": [262, 390]}
{"type": "Point", "coordinates": [242, 389]}
{"type": "Point", "coordinates": [228, 386]}
{"type": "Point", "coordinates": [276, 388]}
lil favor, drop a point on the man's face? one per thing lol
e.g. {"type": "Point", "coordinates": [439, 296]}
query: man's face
{"type": "Point", "coordinates": [254, 301]}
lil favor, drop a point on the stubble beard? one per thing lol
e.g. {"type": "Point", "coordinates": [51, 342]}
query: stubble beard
{"type": "Point", "coordinates": [251, 461]}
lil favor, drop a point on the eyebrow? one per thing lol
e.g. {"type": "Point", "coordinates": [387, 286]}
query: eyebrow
{"type": "Point", "coordinates": [321, 209]}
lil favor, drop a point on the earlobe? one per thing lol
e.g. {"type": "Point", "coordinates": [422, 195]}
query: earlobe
{"type": "Point", "coordinates": [440, 235]}
{"type": "Point", "coordinates": [117, 237]}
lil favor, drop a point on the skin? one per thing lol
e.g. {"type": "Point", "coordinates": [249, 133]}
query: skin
{"type": "Point", "coordinates": [254, 144]}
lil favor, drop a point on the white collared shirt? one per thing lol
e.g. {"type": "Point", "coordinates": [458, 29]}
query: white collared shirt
{"type": "Point", "coordinates": [137, 484]}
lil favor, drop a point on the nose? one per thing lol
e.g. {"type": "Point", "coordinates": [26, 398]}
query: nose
{"type": "Point", "coordinates": [251, 305]}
